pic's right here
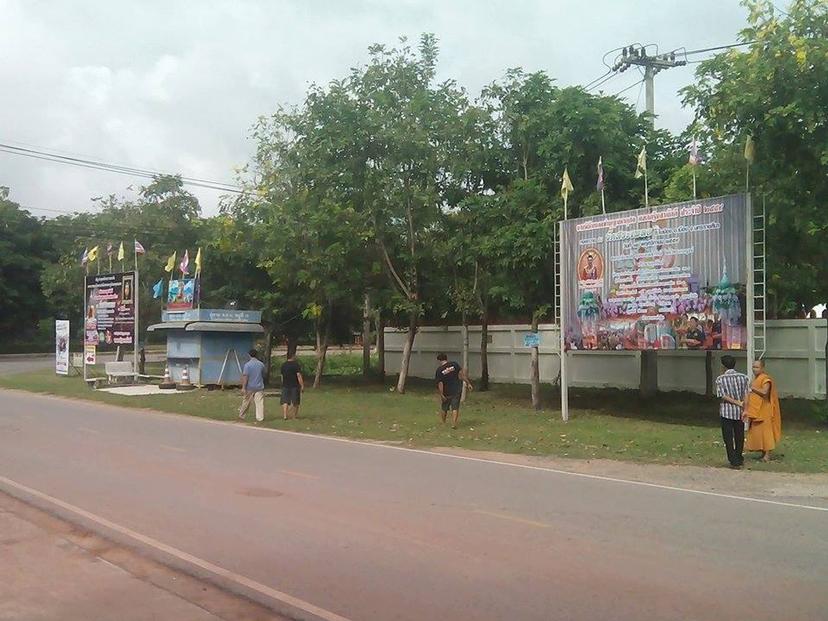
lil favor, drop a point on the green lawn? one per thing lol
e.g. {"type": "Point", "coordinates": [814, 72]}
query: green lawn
{"type": "Point", "coordinates": [610, 424]}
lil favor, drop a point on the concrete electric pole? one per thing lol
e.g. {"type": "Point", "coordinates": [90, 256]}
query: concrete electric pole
{"type": "Point", "coordinates": [637, 55]}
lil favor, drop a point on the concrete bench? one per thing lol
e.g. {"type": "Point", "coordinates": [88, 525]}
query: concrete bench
{"type": "Point", "coordinates": [115, 370]}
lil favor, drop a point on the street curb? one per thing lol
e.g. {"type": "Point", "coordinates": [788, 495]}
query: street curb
{"type": "Point", "coordinates": [49, 354]}
{"type": "Point", "coordinates": [280, 603]}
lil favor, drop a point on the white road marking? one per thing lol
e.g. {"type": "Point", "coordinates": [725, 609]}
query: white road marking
{"type": "Point", "coordinates": [513, 518]}
{"type": "Point", "coordinates": [301, 475]}
{"type": "Point", "coordinates": [172, 448]}
{"type": "Point", "coordinates": [306, 607]}
{"type": "Point", "coordinates": [583, 475]}
{"type": "Point", "coordinates": [88, 430]}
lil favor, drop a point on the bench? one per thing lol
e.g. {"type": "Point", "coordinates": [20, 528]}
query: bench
{"type": "Point", "coordinates": [116, 370]}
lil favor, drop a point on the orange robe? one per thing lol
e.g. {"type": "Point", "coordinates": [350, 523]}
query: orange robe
{"type": "Point", "coordinates": [765, 417]}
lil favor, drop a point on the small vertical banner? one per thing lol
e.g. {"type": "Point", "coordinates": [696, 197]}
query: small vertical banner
{"type": "Point", "coordinates": [61, 347]}
{"type": "Point", "coordinates": [89, 354]}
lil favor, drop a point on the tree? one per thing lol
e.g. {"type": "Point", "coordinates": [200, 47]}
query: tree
{"type": "Point", "coordinates": [775, 90]}
{"type": "Point", "coordinates": [411, 128]}
{"type": "Point", "coordinates": [24, 249]}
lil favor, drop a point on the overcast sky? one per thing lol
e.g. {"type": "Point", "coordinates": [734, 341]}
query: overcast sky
{"type": "Point", "coordinates": [175, 85]}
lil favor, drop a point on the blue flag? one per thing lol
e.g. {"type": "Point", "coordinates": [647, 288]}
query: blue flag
{"type": "Point", "coordinates": [158, 289]}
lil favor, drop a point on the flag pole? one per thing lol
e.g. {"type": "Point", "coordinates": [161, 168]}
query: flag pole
{"type": "Point", "coordinates": [603, 203]}
{"type": "Point", "coordinates": [565, 201]}
{"type": "Point", "coordinates": [135, 253]}
{"type": "Point", "coordinates": [646, 190]}
{"type": "Point", "coordinates": [747, 178]}
{"type": "Point", "coordinates": [694, 183]}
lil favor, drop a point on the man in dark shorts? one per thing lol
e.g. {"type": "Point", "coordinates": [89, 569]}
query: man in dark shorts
{"type": "Point", "coordinates": [293, 385]}
{"type": "Point", "coordinates": [450, 377]}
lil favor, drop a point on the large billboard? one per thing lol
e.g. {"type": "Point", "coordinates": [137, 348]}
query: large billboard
{"type": "Point", "coordinates": [666, 277]}
{"type": "Point", "coordinates": [110, 311]}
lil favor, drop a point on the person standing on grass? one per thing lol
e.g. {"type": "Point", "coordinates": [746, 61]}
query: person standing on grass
{"type": "Point", "coordinates": [731, 389]}
{"type": "Point", "coordinates": [450, 377]}
{"type": "Point", "coordinates": [253, 386]}
{"type": "Point", "coordinates": [763, 413]}
{"type": "Point", "coordinates": [293, 385]}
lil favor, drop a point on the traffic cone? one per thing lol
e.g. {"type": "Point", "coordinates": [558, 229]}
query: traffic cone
{"type": "Point", "coordinates": [167, 383]}
{"type": "Point", "coordinates": [185, 384]}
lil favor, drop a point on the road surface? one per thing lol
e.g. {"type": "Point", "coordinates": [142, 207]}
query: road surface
{"type": "Point", "coordinates": [368, 532]}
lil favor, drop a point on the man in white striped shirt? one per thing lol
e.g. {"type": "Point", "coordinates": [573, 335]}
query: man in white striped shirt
{"type": "Point", "coordinates": [731, 388]}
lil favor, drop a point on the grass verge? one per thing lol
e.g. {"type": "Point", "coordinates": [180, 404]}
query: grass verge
{"type": "Point", "coordinates": [675, 428]}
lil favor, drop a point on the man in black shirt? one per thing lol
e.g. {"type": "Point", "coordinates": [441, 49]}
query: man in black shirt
{"type": "Point", "coordinates": [293, 385]}
{"type": "Point", "coordinates": [694, 339]}
{"type": "Point", "coordinates": [450, 377]}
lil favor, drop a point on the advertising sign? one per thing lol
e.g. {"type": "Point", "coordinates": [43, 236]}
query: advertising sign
{"type": "Point", "coordinates": [61, 347]}
{"type": "Point", "coordinates": [89, 354]}
{"type": "Point", "coordinates": [665, 277]}
{"type": "Point", "coordinates": [110, 311]}
{"type": "Point", "coordinates": [181, 294]}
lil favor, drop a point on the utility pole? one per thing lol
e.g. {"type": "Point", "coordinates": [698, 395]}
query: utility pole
{"type": "Point", "coordinates": [637, 55]}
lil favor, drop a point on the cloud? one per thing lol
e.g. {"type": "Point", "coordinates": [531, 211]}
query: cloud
{"type": "Point", "coordinates": [177, 86]}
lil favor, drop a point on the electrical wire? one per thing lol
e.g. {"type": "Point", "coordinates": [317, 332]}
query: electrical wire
{"type": "Point", "coordinates": [718, 47]}
{"type": "Point", "coordinates": [115, 168]}
{"type": "Point", "coordinates": [624, 90]}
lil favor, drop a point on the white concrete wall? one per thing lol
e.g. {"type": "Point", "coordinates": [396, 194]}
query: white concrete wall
{"type": "Point", "coordinates": [795, 357]}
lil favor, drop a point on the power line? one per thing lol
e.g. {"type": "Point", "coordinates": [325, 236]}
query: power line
{"type": "Point", "coordinates": [624, 90]}
{"type": "Point", "coordinates": [718, 47]}
{"type": "Point", "coordinates": [111, 167]}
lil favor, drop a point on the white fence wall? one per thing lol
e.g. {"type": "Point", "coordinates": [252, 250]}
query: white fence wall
{"type": "Point", "coordinates": [795, 357]}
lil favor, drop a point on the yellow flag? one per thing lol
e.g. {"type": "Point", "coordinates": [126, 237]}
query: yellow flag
{"type": "Point", "coordinates": [198, 262]}
{"type": "Point", "coordinates": [93, 254]}
{"type": "Point", "coordinates": [121, 252]}
{"type": "Point", "coordinates": [750, 150]}
{"type": "Point", "coordinates": [170, 266]}
{"type": "Point", "coordinates": [566, 184]}
{"type": "Point", "coordinates": [641, 165]}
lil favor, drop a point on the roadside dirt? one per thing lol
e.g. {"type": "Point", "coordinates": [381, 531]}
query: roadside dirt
{"type": "Point", "coordinates": [809, 489]}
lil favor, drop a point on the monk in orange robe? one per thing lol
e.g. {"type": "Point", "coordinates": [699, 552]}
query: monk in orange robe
{"type": "Point", "coordinates": [763, 413]}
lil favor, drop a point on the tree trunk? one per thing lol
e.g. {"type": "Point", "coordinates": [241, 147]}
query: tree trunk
{"type": "Point", "coordinates": [708, 373]}
{"type": "Point", "coordinates": [322, 339]}
{"type": "Point", "coordinates": [484, 350]}
{"type": "Point", "coordinates": [406, 355]}
{"type": "Point", "coordinates": [465, 359]}
{"type": "Point", "coordinates": [366, 336]}
{"type": "Point", "coordinates": [380, 325]}
{"type": "Point", "coordinates": [268, 355]}
{"type": "Point", "coordinates": [535, 369]}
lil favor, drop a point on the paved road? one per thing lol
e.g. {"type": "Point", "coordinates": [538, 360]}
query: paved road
{"type": "Point", "coordinates": [370, 532]}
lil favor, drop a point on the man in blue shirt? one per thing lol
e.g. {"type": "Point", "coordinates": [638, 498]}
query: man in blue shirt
{"type": "Point", "coordinates": [253, 386]}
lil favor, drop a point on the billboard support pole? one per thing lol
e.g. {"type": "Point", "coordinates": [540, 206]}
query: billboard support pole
{"type": "Point", "coordinates": [135, 335]}
{"type": "Point", "coordinates": [562, 325]}
{"type": "Point", "coordinates": [750, 289]}
{"type": "Point", "coordinates": [83, 324]}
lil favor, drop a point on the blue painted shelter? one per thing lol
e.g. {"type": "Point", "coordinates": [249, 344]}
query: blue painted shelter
{"type": "Point", "coordinates": [205, 340]}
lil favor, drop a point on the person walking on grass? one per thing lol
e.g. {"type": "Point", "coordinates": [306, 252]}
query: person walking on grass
{"type": "Point", "coordinates": [252, 389]}
{"type": "Point", "coordinates": [450, 377]}
{"type": "Point", "coordinates": [763, 413]}
{"type": "Point", "coordinates": [731, 389]}
{"type": "Point", "coordinates": [293, 385]}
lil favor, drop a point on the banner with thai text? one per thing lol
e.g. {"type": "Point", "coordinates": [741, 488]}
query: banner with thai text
{"type": "Point", "coordinates": [665, 277]}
